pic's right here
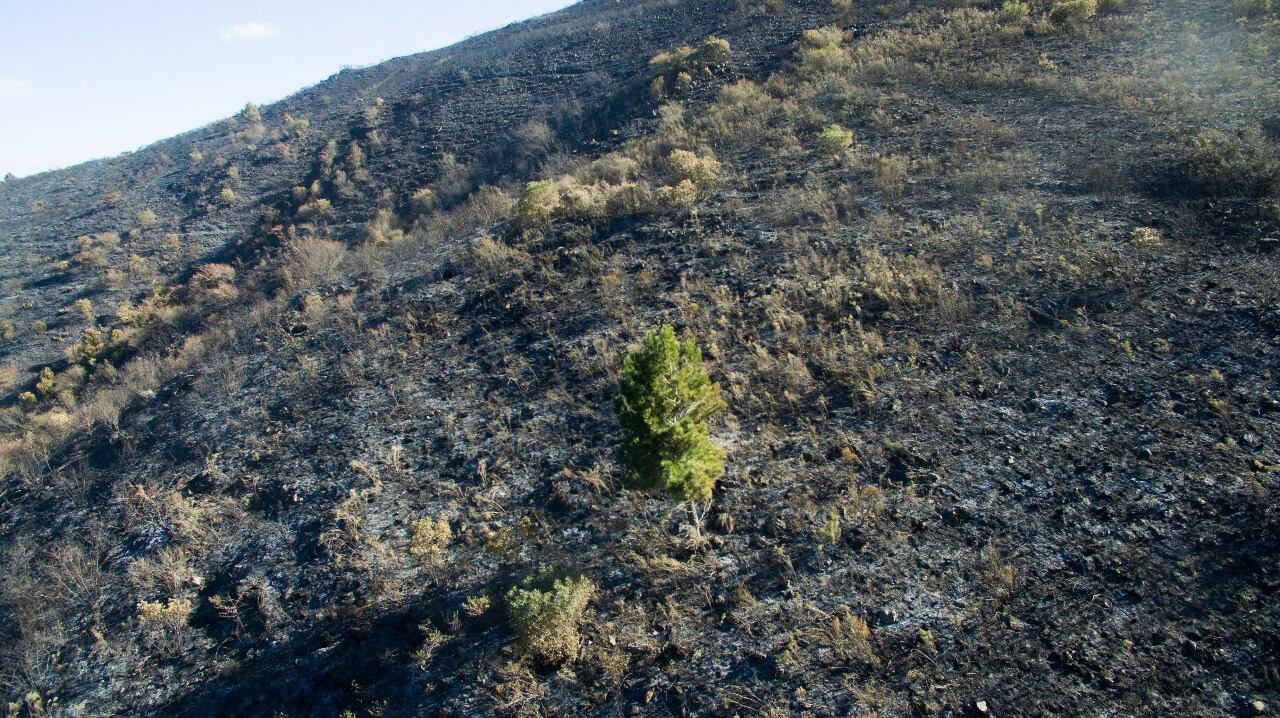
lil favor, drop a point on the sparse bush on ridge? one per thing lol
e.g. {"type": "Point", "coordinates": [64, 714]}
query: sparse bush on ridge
{"type": "Point", "coordinates": [212, 281]}
{"type": "Point", "coordinates": [703, 172]}
{"type": "Point", "coordinates": [47, 384]}
{"type": "Point", "coordinates": [90, 347]}
{"type": "Point", "coordinates": [745, 115]}
{"type": "Point", "coordinates": [296, 126]}
{"type": "Point", "coordinates": [430, 537]}
{"type": "Point", "coordinates": [493, 259]}
{"type": "Point", "coordinates": [822, 53]}
{"type": "Point", "coordinates": [1219, 164]}
{"type": "Point", "coordinates": [713, 51]}
{"type": "Point", "coordinates": [539, 200]}
{"type": "Point", "coordinates": [85, 308]}
{"type": "Point", "coordinates": [1073, 13]}
{"type": "Point", "coordinates": [682, 195]}
{"type": "Point", "coordinates": [834, 140]}
{"type": "Point", "coordinates": [423, 200]}
{"type": "Point", "coordinates": [585, 201]}
{"type": "Point", "coordinates": [658, 88]}
{"type": "Point", "coordinates": [821, 37]}
{"type": "Point", "coordinates": [615, 168]}
{"type": "Point", "coordinates": [384, 228]}
{"type": "Point", "coordinates": [629, 199]}
{"type": "Point", "coordinates": [1014, 11]}
{"type": "Point", "coordinates": [315, 208]}
{"type": "Point", "coordinates": [902, 281]}
{"type": "Point", "coordinates": [891, 174]}
{"type": "Point", "coordinates": [165, 623]}
{"type": "Point", "coordinates": [311, 261]}
{"type": "Point", "coordinates": [678, 67]}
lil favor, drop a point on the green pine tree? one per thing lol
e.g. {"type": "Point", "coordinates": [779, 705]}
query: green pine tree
{"type": "Point", "coordinates": [663, 404]}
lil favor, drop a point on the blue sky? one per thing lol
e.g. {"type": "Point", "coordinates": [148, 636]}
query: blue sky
{"type": "Point", "coordinates": [86, 79]}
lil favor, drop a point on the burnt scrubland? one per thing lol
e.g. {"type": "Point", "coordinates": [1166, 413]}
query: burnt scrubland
{"type": "Point", "coordinates": [313, 412]}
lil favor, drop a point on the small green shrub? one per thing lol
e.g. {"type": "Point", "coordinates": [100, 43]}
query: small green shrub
{"type": "Point", "coordinates": [585, 202]}
{"type": "Point", "coordinates": [47, 384]}
{"type": "Point", "coordinates": [1073, 13]}
{"type": "Point", "coordinates": [664, 401]}
{"type": "Point", "coordinates": [820, 37]}
{"type": "Point", "coordinates": [85, 308]}
{"type": "Point", "coordinates": [714, 51]}
{"type": "Point", "coordinates": [1014, 11]}
{"type": "Point", "coordinates": [431, 536]}
{"type": "Point", "coordinates": [1146, 238]}
{"type": "Point", "coordinates": [544, 611]}
{"type": "Point", "coordinates": [667, 62]}
{"type": "Point", "coordinates": [834, 140]}
{"type": "Point", "coordinates": [423, 200]}
{"type": "Point", "coordinates": [681, 196]}
{"type": "Point", "coordinates": [540, 199]}
{"type": "Point", "coordinates": [628, 200]}
{"type": "Point", "coordinates": [90, 347]}
{"type": "Point", "coordinates": [703, 172]}
{"type": "Point", "coordinates": [315, 208]}
{"type": "Point", "coordinates": [615, 168]}
{"type": "Point", "coordinates": [1217, 164]}
{"type": "Point", "coordinates": [296, 126]}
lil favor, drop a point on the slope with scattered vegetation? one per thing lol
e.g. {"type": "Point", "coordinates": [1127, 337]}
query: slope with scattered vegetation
{"type": "Point", "coordinates": [988, 290]}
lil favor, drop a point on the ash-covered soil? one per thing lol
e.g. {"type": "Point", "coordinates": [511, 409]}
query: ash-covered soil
{"type": "Point", "coordinates": [1001, 376]}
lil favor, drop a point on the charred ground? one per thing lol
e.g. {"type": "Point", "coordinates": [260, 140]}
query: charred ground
{"type": "Point", "coordinates": [1001, 375]}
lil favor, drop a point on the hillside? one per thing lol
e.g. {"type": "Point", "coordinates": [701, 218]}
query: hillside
{"type": "Point", "coordinates": [989, 289]}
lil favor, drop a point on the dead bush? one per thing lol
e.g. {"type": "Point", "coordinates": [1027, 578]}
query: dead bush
{"type": "Point", "coordinates": [311, 261]}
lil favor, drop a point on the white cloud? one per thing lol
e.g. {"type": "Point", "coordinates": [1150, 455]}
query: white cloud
{"type": "Point", "coordinates": [12, 87]}
{"type": "Point", "coordinates": [247, 31]}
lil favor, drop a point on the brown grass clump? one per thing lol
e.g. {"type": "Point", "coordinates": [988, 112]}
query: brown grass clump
{"type": "Point", "coordinates": [901, 281]}
{"type": "Point", "coordinates": [311, 261]}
